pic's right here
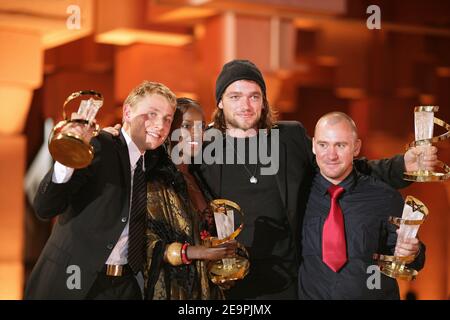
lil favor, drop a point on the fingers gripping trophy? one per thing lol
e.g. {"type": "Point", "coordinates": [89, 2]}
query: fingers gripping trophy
{"type": "Point", "coordinates": [415, 212]}
{"type": "Point", "coordinates": [227, 270]}
{"type": "Point", "coordinates": [424, 121]}
{"type": "Point", "coordinates": [69, 141]}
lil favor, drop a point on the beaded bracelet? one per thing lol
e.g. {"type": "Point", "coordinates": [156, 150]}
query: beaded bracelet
{"type": "Point", "coordinates": [184, 257]}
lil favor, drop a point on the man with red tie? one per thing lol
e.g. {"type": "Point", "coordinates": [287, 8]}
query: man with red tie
{"type": "Point", "coordinates": [346, 221]}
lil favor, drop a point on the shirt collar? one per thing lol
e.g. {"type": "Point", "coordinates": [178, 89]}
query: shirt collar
{"type": "Point", "coordinates": [348, 183]}
{"type": "Point", "coordinates": [133, 150]}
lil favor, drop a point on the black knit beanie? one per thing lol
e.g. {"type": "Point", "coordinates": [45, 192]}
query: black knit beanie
{"type": "Point", "coordinates": [238, 70]}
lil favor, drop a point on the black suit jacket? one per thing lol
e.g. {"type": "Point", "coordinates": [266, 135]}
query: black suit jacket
{"type": "Point", "coordinates": [296, 170]}
{"type": "Point", "coordinates": [92, 210]}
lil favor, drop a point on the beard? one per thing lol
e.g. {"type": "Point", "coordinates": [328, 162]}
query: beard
{"type": "Point", "coordinates": [233, 123]}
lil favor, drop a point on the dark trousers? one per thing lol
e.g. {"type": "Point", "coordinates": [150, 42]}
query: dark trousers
{"type": "Point", "coordinates": [107, 287]}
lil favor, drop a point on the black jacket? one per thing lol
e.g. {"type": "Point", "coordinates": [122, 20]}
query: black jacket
{"type": "Point", "coordinates": [296, 169]}
{"type": "Point", "coordinates": [92, 210]}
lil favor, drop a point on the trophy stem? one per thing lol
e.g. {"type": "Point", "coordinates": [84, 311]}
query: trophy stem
{"type": "Point", "coordinates": [420, 159]}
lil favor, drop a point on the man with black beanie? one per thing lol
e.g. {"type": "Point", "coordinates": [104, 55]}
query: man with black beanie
{"type": "Point", "coordinates": [273, 205]}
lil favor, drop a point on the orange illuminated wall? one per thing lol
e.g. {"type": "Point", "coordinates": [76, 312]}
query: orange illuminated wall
{"type": "Point", "coordinates": [173, 66]}
{"type": "Point", "coordinates": [12, 155]}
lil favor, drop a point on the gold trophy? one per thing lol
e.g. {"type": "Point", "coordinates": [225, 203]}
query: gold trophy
{"type": "Point", "coordinates": [229, 269]}
{"type": "Point", "coordinates": [67, 146]}
{"type": "Point", "coordinates": [414, 214]}
{"type": "Point", "coordinates": [424, 122]}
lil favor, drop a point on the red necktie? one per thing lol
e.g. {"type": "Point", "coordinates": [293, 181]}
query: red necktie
{"type": "Point", "coordinates": [334, 252]}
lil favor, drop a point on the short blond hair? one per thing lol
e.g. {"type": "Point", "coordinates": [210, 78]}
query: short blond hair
{"type": "Point", "coordinates": [148, 88]}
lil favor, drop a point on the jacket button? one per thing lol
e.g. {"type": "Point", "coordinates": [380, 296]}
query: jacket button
{"type": "Point", "coordinates": [110, 246]}
{"type": "Point", "coordinates": [124, 219]}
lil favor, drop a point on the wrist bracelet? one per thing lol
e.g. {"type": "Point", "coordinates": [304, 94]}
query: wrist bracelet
{"type": "Point", "coordinates": [184, 257]}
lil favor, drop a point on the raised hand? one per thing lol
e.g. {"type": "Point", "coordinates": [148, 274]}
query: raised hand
{"type": "Point", "coordinates": [115, 131]}
{"type": "Point", "coordinates": [407, 247]}
{"type": "Point", "coordinates": [421, 157]}
{"type": "Point", "coordinates": [82, 130]}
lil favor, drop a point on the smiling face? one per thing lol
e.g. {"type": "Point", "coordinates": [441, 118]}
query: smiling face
{"type": "Point", "coordinates": [335, 144]}
{"type": "Point", "coordinates": [242, 103]}
{"type": "Point", "coordinates": [192, 126]}
{"type": "Point", "coordinates": [148, 121]}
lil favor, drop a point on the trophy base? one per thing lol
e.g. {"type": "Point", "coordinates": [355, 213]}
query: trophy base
{"type": "Point", "coordinates": [219, 274]}
{"type": "Point", "coordinates": [396, 271]}
{"type": "Point", "coordinates": [395, 266]}
{"type": "Point", "coordinates": [71, 151]}
{"type": "Point", "coordinates": [425, 176]}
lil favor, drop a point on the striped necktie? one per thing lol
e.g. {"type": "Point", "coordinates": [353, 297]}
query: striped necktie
{"type": "Point", "coordinates": [137, 219]}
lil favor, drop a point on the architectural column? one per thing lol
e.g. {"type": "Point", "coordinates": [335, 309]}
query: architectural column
{"type": "Point", "coordinates": [20, 73]}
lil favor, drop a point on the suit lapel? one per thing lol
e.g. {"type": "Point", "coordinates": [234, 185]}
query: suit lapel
{"type": "Point", "coordinates": [281, 175]}
{"type": "Point", "coordinates": [213, 174]}
{"type": "Point", "coordinates": [124, 156]}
